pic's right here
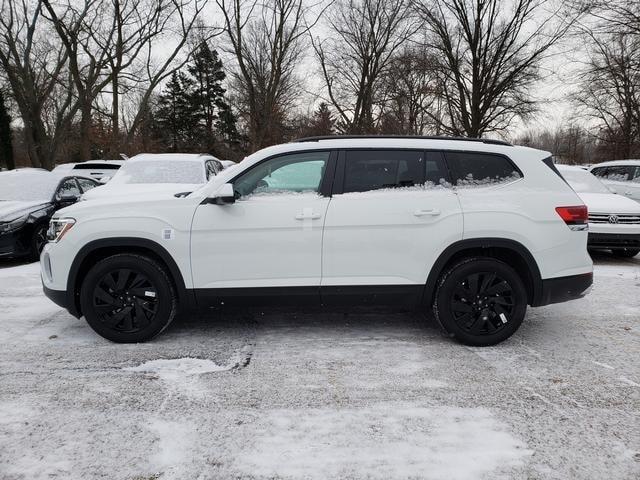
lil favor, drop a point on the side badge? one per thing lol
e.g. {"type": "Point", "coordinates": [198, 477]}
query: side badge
{"type": "Point", "coordinates": [168, 233]}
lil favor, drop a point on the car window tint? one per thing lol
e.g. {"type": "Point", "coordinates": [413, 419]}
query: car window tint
{"type": "Point", "coordinates": [86, 184]}
{"type": "Point", "coordinates": [477, 169]}
{"type": "Point", "coordinates": [300, 172]}
{"type": "Point", "coordinates": [367, 170]}
{"type": "Point", "coordinates": [620, 173]}
{"type": "Point", "coordinates": [599, 171]}
{"type": "Point", "coordinates": [68, 188]}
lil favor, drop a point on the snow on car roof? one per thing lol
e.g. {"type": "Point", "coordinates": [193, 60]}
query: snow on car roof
{"type": "Point", "coordinates": [614, 163]}
{"type": "Point", "coordinates": [173, 157]}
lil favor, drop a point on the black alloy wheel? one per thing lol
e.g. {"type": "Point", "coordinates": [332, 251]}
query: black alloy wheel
{"type": "Point", "coordinates": [128, 298]}
{"type": "Point", "coordinates": [626, 252]}
{"type": "Point", "coordinates": [480, 301]}
{"type": "Point", "coordinates": [125, 300]}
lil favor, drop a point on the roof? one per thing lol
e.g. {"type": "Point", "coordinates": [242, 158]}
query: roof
{"type": "Point", "coordinates": [613, 163]}
{"type": "Point", "coordinates": [400, 137]}
{"type": "Point", "coordinates": [172, 157]}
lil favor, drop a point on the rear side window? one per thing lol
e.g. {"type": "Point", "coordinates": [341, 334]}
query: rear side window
{"type": "Point", "coordinates": [367, 170]}
{"type": "Point", "coordinates": [618, 173]}
{"type": "Point", "coordinates": [479, 169]}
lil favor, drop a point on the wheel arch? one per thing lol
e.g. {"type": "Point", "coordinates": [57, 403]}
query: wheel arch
{"type": "Point", "coordinates": [511, 252]}
{"type": "Point", "coordinates": [97, 250]}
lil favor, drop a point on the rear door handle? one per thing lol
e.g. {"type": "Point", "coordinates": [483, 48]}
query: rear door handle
{"type": "Point", "coordinates": [308, 216]}
{"type": "Point", "coordinates": [431, 212]}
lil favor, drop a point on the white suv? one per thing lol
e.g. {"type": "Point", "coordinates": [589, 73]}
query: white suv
{"type": "Point", "coordinates": [474, 229]}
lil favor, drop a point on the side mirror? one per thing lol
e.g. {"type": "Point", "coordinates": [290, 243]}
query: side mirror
{"type": "Point", "coordinates": [225, 195]}
{"type": "Point", "coordinates": [68, 199]}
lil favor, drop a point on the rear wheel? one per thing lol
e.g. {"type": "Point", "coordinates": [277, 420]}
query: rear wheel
{"type": "Point", "coordinates": [480, 301]}
{"type": "Point", "coordinates": [128, 298]}
{"type": "Point", "coordinates": [626, 252]}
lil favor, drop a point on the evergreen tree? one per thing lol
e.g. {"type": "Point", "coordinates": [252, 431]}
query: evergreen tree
{"type": "Point", "coordinates": [177, 115]}
{"type": "Point", "coordinates": [6, 144]}
{"type": "Point", "coordinates": [215, 115]}
{"type": "Point", "coordinates": [322, 122]}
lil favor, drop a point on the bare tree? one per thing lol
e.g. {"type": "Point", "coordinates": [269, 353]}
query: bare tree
{"type": "Point", "coordinates": [267, 42]}
{"type": "Point", "coordinates": [34, 63]}
{"type": "Point", "coordinates": [363, 36]}
{"type": "Point", "coordinates": [490, 54]}
{"type": "Point", "coordinates": [609, 91]}
{"type": "Point", "coordinates": [411, 91]}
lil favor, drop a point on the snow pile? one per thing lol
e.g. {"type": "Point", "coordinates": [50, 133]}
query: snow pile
{"type": "Point", "coordinates": [386, 441]}
{"type": "Point", "coordinates": [469, 181]}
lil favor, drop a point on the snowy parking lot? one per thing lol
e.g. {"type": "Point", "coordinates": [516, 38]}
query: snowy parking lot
{"type": "Point", "coordinates": [319, 395]}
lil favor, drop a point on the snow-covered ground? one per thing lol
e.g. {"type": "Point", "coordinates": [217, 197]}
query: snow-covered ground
{"type": "Point", "coordinates": [288, 395]}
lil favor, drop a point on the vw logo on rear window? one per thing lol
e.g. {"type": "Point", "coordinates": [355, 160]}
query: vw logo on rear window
{"type": "Point", "coordinates": [613, 219]}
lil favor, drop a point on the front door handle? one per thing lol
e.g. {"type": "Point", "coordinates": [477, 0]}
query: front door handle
{"type": "Point", "coordinates": [308, 216]}
{"type": "Point", "coordinates": [431, 212]}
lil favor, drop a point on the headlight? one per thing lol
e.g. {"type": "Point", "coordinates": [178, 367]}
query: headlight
{"type": "Point", "coordinates": [58, 228]}
{"type": "Point", "coordinates": [11, 225]}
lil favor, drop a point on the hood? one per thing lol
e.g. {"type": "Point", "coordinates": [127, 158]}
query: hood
{"type": "Point", "coordinates": [609, 203]}
{"type": "Point", "coordinates": [11, 209]}
{"type": "Point", "coordinates": [128, 190]}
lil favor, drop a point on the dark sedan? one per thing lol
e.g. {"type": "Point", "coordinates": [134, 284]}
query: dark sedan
{"type": "Point", "coordinates": [28, 198]}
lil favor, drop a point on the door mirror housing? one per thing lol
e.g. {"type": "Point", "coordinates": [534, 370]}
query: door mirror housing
{"type": "Point", "coordinates": [67, 199]}
{"type": "Point", "coordinates": [225, 195]}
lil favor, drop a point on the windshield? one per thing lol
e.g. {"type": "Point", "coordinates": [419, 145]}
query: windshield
{"type": "Point", "coordinates": [583, 181]}
{"type": "Point", "coordinates": [28, 186]}
{"type": "Point", "coordinates": [159, 171]}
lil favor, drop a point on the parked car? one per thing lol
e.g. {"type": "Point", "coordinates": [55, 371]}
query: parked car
{"type": "Point", "coordinates": [614, 220]}
{"type": "Point", "coordinates": [473, 230]}
{"type": "Point", "coordinates": [100, 170]}
{"type": "Point", "coordinates": [28, 198]}
{"type": "Point", "coordinates": [621, 176]}
{"type": "Point", "coordinates": [168, 173]}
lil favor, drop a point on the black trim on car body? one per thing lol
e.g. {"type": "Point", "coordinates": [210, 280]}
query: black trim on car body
{"type": "Point", "coordinates": [613, 240]}
{"type": "Point", "coordinates": [473, 245]}
{"type": "Point", "coordinates": [72, 304]}
{"type": "Point", "coordinates": [562, 289]}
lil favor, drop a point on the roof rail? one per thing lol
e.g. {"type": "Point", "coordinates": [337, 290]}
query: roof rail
{"type": "Point", "coordinates": [418, 137]}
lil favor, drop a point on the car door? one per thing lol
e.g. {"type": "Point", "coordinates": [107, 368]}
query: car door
{"type": "Point", "coordinates": [621, 179]}
{"type": "Point", "coordinates": [391, 215]}
{"type": "Point", "coordinates": [271, 237]}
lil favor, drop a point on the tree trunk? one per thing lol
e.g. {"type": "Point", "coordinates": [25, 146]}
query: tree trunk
{"type": "Point", "coordinates": [84, 149]}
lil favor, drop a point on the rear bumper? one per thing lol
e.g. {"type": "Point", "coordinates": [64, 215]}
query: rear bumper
{"type": "Point", "coordinates": [613, 240]}
{"type": "Point", "coordinates": [563, 289]}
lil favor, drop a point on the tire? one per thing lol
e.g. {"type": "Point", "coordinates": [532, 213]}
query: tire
{"type": "Point", "coordinates": [626, 252]}
{"type": "Point", "coordinates": [128, 298]}
{"type": "Point", "coordinates": [38, 241]}
{"type": "Point", "coordinates": [496, 308]}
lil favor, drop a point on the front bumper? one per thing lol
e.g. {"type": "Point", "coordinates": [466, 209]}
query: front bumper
{"type": "Point", "coordinates": [613, 240]}
{"type": "Point", "coordinates": [563, 289]}
{"type": "Point", "coordinates": [13, 244]}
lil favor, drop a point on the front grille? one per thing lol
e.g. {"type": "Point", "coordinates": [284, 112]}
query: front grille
{"type": "Point", "coordinates": [613, 218]}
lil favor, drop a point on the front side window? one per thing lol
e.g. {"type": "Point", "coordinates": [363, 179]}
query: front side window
{"type": "Point", "coordinates": [367, 170]}
{"type": "Point", "coordinates": [86, 184]}
{"type": "Point", "coordinates": [480, 169]}
{"type": "Point", "coordinates": [293, 173]}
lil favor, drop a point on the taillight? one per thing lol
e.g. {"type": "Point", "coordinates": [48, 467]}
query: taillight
{"type": "Point", "coordinates": [577, 217]}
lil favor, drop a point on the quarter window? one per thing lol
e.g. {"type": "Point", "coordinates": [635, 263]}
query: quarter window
{"type": "Point", "coordinates": [299, 172]}
{"type": "Point", "coordinates": [470, 169]}
{"type": "Point", "coordinates": [620, 173]}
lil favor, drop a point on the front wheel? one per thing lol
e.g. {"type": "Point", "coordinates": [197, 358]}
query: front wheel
{"type": "Point", "coordinates": [128, 298]}
{"type": "Point", "coordinates": [480, 301]}
{"type": "Point", "coordinates": [626, 252]}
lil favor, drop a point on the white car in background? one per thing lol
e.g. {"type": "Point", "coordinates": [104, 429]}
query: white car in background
{"type": "Point", "coordinates": [621, 176]}
{"type": "Point", "coordinates": [100, 170]}
{"type": "Point", "coordinates": [614, 220]}
{"type": "Point", "coordinates": [163, 173]}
